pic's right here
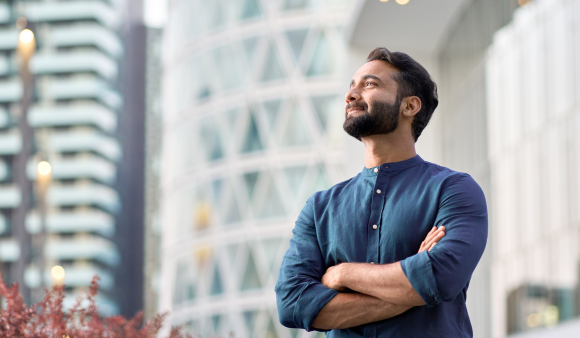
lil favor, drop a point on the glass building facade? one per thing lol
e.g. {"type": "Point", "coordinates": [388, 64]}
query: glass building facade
{"type": "Point", "coordinates": [463, 127]}
{"type": "Point", "coordinates": [77, 107]}
{"type": "Point", "coordinates": [252, 98]}
{"type": "Point", "coordinates": [251, 128]}
{"type": "Point", "coordinates": [533, 77]}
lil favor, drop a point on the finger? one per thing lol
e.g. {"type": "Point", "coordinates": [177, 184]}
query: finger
{"type": "Point", "coordinates": [433, 229]}
{"type": "Point", "coordinates": [432, 246]}
{"type": "Point", "coordinates": [435, 239]}
{"type": "Point", "coordinates": [430, 235]}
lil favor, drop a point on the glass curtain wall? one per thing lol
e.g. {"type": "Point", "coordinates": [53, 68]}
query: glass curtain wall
{"type": "Point", "coordinates": [252, 115]}
{"type": "Point", "coordinates": [533, 73]}
{"type": "Point", "coordinates": [463, 110]}
{"type": "Point", "coordinates": [74, 116]}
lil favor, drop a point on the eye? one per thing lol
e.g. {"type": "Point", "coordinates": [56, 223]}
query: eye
{"type": "Point", "coordinates": [370, 83]}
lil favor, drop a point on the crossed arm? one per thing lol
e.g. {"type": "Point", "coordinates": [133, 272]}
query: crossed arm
{"type": "Point", "coordinates": [309, 295]}
{"type": "Point", "coordinates": [382, 291]}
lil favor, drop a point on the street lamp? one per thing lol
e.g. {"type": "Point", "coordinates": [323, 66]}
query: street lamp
{"type": "Point", "coordinates": [25, 50]}
{"type": "Point", "coordinates": [43, 177]}
{"type": "Point", "coordinates": [57, 273]}
{"type": "Point", "coordinates": [26, 45]}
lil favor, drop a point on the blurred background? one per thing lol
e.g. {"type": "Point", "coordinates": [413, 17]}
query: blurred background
{"type": "Point", "coordinates": [168, 146]}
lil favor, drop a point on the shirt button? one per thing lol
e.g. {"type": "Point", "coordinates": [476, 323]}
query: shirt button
{"type": "Point", "coordinates": [375, 227]}
{"type": "Point", "coordinates": [379, 191]}
{"type": "Point", "coordinates": [376, 170]}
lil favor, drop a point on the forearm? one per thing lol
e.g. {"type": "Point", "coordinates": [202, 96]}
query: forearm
{"type": "Point", "coordinates": [347, 310]}
{"type": "Point", "coordinates": [386, 282]}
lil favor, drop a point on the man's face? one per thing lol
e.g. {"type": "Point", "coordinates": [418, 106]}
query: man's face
{"type": "Point", "coordinates": [372, 106]}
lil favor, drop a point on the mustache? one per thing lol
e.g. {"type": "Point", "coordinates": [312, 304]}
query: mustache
{"type": "Point", "coordinates": [356, 105]}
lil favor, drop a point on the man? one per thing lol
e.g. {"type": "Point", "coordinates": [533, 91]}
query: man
{"type": "Point", "coordinates": [362, 261]}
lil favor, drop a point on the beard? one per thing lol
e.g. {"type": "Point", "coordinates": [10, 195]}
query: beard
{"type": "Point", "coordinates": [382, 119]}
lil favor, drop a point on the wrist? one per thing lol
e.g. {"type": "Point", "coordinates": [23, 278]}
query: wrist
{"type": "Point", "coordinates": [345, 275]}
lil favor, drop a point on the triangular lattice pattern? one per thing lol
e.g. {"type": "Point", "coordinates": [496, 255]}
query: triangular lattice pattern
{"type": "Point", "coordinates": [252, 109]}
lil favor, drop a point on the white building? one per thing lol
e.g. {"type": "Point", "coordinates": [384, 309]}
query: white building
{"type": "Point", "coordinates": [250, 89]}
{"type": "Point", "coordinates": [533, 86]}
{"type": "Point", "coordinates": [253, 96]}
{"type": "Point", "coordinates": [74, 117]}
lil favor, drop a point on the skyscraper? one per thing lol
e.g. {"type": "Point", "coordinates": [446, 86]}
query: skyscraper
{"type": "Point", "coordinates": [251, 128]}
{"type": "Point", "coordinates": [239, 78]}
{"type": "Point", "coordinates": [78, 96]}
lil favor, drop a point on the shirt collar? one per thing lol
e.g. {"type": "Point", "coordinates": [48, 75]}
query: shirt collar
{"type": "Point", "coordinates": [395, 166]}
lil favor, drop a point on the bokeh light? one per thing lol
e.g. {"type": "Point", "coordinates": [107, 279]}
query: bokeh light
{"type": "Point", "coordinates": [26, 36]}
{"type": "Point", "coordinates": [57, 272]}
{"type": "Point", "coordinates": [44, 168]}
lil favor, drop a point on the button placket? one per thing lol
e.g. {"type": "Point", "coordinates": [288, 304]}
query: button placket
{"type": "Point", "coordinates": [373, 235]}
{"type": "Point", "coordinates": [377, 206]}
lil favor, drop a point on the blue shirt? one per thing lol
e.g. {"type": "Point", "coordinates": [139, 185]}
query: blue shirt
{"type": "Point", "coordinates": [405, 200]}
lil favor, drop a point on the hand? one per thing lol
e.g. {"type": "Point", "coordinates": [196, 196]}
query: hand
{"type": "Point", "coordinates": [433, 237]}
{"type": "Point", "coordinates": [331, 278]}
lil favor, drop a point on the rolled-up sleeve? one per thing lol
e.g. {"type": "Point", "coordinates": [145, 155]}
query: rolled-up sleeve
{"type": "Point", "coordinates": [442, 273]}
{"type": "Point", "coordinates": [299, 293]}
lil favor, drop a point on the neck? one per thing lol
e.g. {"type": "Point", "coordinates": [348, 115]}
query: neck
{"type": "Point", "coordinates": [387, 148]}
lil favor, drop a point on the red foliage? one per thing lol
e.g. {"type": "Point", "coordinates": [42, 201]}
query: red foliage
{"type": "Point", "coordinates": [46, 319]}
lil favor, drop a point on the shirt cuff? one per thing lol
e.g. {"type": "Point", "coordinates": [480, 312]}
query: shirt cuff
{"type": "Point", "coordinates": [312, 299]}
{"type": "Point", "coordinates": [419, 272]}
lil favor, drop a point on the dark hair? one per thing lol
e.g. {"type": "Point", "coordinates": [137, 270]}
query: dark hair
{"type": "Point", "coordinates": [413, 80]}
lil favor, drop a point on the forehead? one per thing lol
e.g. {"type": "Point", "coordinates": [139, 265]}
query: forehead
{"type": "Point", "coordinates": [380, 69]}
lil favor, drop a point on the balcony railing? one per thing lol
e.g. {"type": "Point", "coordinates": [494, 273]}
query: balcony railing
{"type": "Point", "coordinates": [5, 13]}
{"type": "Point", "coordinates": [9, 250]}
{"type": "Point", "coordinates": [90, 166]}
{"type": "Point", "coordinates": [85, 248]}
{"type": "Point", "coordinates": [70, 11]}
{"type": "Point", "coordinates": [4, 170]}
{"type": "Point", "coordinates": [4, 118]}
{"type": "Point", "coordinates": [85, 141]}
{"type": "Point", "coordinates": [9, 197]}
{"type": "Point", "coordinates": [84, 194]}
{"type": "Point", "coordinates": [10, 90]}
{"type": "Point", "coordinates": [78, 88]}
{"type": "Point", "coordinates": [75, 276]}
{"type": "Point", "coordinates": [73, 115]}
{"type": "Point", "coordinates": [8, 38]}
{"type": "Point", "coordinates": [69, 222]}
{"type": "Point", "coordinates": [87, 34]}
{"type": "Point", "coordinates": [73, 62]}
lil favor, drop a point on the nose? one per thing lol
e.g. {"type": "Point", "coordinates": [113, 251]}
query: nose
{"type": "Point", "coordinates": [353, 94]}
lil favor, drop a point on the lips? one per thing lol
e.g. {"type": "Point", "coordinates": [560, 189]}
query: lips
{"type": "Point", "coordinates": [352, 110]}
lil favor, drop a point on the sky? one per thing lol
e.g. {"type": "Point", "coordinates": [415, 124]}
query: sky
{"type": "Point", "coordinates": [155, 12]}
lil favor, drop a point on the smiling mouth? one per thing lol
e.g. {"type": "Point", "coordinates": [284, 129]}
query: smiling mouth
{"type": "Point", "coordinates": [353, 110]}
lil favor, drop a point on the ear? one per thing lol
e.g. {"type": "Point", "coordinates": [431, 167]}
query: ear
{"type": "Point", "coordinates": [410, 106]}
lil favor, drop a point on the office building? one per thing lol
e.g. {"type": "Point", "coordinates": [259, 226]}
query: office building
{"type": "Point", "coordinates": [533, 72]}
{"type": "Point", "coordinates": [251, 127]}
{"type": "Point", "coordinates": [250, 130]}
{"type": "Point", "coordinates": [78, 104]}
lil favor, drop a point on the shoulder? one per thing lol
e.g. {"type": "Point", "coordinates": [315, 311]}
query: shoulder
{"type": "Point", "coordinates": [321, 199]}
{"type": "Point", "coordinates": [324, 196]}
{"type": "Point", "coordinates": [447, 177]}
{"type": "Point", "coordinates": [459, 189]}
{"type": "Point", "coordinates": [453, 183]}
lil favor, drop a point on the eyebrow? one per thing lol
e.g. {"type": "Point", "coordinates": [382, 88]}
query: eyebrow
{"type": "Point", "coordinates": [366, 77]}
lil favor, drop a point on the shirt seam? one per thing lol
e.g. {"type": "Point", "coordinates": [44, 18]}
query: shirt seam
{"type": "Point", "coordinates": [453, 178]}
